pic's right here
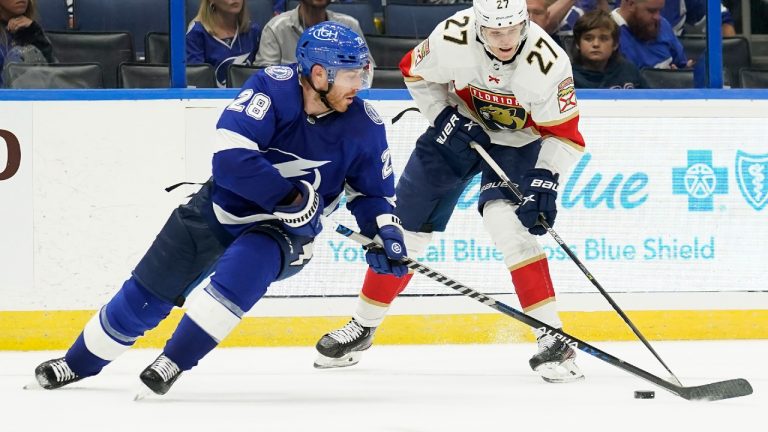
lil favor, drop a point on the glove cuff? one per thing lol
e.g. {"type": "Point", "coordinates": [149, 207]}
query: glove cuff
{"type": "Point", "coordinates": [295, 217]}
{"type": "Point", "coordinates": [388, 219]}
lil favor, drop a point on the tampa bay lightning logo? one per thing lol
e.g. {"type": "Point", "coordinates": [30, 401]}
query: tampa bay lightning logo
{"type": "Point", "coordinates": [371, 111]}
{"type": "Point", "coordinates": [751, 173]}
{"type": "Point", "coordinates": [290, 165]}
{"type": "Point", "coordinates": [280, 73]}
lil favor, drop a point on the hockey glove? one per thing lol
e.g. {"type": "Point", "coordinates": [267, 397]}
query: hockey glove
{"type": "Point", "coordinates": [386, 260]}
{"type": "Point", "coordinates": [539, 189]}
{"type": "Point", "coordinates": [302, 217]}
{"type": "Point", "coordinates": [456, 132]}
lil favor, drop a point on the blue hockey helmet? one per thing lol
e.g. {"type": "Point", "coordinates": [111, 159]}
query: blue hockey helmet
{"type": "Point", "coordinates": [334, 47]}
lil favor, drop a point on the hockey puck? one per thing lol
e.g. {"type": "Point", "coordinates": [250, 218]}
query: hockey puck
{"type": "Point", "coordinates": [645, 394]}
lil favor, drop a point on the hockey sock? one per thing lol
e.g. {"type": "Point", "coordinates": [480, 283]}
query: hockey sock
{"type": "Point", "coordinates": [379, 291]}
{"type": "Point", "coordinates": [533, 285]}
{"type": "Point", "coordinates": [115, 328]}
{"type": "Point", "coordinates": [242, 276]}
{"type": "Point", "coordinates": [189, 344]}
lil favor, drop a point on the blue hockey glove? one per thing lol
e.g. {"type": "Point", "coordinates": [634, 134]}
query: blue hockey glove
{"type": "Point", "coordinates": [456, 132]}
{"type": "Point", "coordinates": [386, 260]}
{"type": "Point", "coordinates": [303, 217]}
{"type": "Point", "coordinates": [539, 189]}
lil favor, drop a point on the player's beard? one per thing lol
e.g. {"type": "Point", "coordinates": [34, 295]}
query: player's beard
{"type": "Point", "coordinates": [337, 98]}
{"type": "Point", "coordinates": [643, 31]}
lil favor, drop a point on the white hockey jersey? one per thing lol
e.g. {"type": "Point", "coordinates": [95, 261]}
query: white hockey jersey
{"type": "Point", "coordinates": [518, 101]}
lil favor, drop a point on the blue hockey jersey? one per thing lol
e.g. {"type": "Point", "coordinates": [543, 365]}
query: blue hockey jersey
{"type": "Point", "coordinates": [266, 143]}
{"type": "Point", "coordinates": [659, 53]}
{"type": "Point", "coordinates": [202, 47]}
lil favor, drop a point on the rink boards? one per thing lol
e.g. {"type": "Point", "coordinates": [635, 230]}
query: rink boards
{"type": "Point", "coordinates": [666, 209]}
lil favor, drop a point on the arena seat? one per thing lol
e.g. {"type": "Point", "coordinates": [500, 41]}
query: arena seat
{"type": "Point", "coordinates": [388, 78]}
{"type": "Point", "coordinates": [137, 17]}
{"type": "Point", "coordinates": [106, 48]}
{"type": "Point", "coordinates": [146, 75]}
{"type": "Point", "coordinates": [238, 74]}
{"type": "Point", "coordinates": [157, 48]}
{"type": "Point", "coordinates": [416, 20]}
{"type": "Point", "coordinates": [389, 50]}
{"type": "Point", "coordinates": [753, 78]}
{"type": "Point", "coordinates": [668, 78]}
{"type": "Point", "coordinates": [736, 54]}
{"type": "Point", "coordinates": [53, 76]}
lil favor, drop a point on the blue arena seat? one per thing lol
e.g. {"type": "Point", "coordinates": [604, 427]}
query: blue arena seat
{"type": "Point", "coordinates": [416, 20]}
{"type": "Point", "coordinates": [138, 17]}
{"type": "Point", "coordinates": [53, 14]}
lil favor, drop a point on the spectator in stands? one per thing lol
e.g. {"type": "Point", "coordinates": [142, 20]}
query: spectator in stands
{"type": "Point", "coordinates": [646, 38]}
{"type": "Point", "coordinates": [693, 14]}
{"type": "Point", "coordinates": [539, 14]}
{"type": "Point", "coordinates": [281, 33]}
{"type": "Point", "coordinates": [222, 34]}
{"type": "Point", "coordinates": [564, 13]}
{"type": "Point", "coordinates": [597, 62]}
{"type": "Point", "coordinates": [22, 39]}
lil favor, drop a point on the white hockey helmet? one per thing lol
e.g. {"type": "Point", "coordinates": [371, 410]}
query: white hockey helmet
{"type": "Point", "coordinates": [500, 13]}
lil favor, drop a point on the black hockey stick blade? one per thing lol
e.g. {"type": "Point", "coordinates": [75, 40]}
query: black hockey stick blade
{"type": "Point", "coordinates": [708, 392]}
{"type": "Point", "coordinates": [717, 391]}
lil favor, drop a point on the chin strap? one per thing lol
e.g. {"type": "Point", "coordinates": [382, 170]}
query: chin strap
{"type": "Point", "coordinates": [323, 93]}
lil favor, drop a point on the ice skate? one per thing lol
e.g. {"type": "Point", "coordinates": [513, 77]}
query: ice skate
{"type": "Point", "coordinates": [55, 373]}
{"type": "Point", "coordinates": [160, 375]}
{"type": "Point", "coordinates": [345, 346]}
{"type": "Point", "coordinates": [555, 361]}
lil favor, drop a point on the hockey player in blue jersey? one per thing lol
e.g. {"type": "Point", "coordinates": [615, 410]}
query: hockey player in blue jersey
{"type": "Point", "coordinates": [289, 145]}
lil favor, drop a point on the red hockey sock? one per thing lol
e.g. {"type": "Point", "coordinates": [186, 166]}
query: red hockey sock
{"type": "Point", "coordinates": [382, 288]}
{"type": "Point", "coordinates": [533, 283]}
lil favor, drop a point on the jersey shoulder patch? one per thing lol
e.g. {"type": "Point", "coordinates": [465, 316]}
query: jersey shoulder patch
{"type": "Point", "coordinates": [371, 111]}
{"type": "Point", "coordinates": [280, 73]}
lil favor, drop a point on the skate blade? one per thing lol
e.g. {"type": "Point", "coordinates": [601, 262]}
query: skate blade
{"type": "Point", "coordinates": [142, 391]}
{"type": "Point", "coordinates": [558, 373]}
{"type": "Point", "coordinates": [34, 385]}
{"type": "Point", "coordinates": [351, 359]}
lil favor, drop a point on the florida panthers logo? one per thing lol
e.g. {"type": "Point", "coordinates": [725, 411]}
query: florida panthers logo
{"type": "Point", "coordinates": [496, 111]}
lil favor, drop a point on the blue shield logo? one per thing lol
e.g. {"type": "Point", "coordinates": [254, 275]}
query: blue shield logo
{"type": "Point", "coordinates": [751, 172]}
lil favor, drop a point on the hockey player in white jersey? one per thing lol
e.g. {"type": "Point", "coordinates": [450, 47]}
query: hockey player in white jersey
{"type": "Point", "coordinates": [488, 75]}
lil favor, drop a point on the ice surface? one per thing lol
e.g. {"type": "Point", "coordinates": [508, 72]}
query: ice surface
{"type": "Point", "coordinates": [442, 388]}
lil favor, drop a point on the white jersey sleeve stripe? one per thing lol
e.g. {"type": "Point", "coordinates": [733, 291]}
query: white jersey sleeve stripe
{"type": "Point", "coordinates": [226, 139]}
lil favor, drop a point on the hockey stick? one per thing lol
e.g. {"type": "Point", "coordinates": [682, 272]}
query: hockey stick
{"type": "Point", "coordinates": [707, 392]}
{"type": "Point", "coordinates": [512, 187]}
